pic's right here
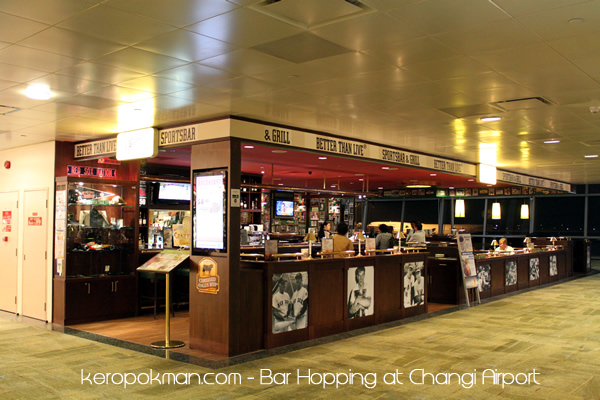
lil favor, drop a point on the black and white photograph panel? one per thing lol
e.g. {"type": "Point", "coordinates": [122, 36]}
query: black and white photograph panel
{"type": "Point", "coordinates": [534, 269]}
{"type": "Point", "coordinates": [361, 284]}
{"type": "Point", "coordinates": [414, 284]}
{"type": "Point", "coordinates": [484, 277]}
{"type": "Point", "coordinates": [289, 301]}
{"type": "Point", "coordinates": [553, 266]}
{"type": "Point", "coordinates": [511, 273]}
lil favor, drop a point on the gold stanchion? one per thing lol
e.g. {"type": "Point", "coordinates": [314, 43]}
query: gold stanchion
{"type": "Point", "coordinates": [167, 343]}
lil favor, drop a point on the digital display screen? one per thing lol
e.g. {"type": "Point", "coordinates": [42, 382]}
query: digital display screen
{"type": "Point", "coordinates": [284, 208]}
{"type": "Point", "coordinates": [174, 191]}
{"type": "Point", "coordinates": [209, 231]}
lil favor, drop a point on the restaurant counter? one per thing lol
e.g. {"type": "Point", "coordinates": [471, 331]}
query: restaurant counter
{"type": "Point", "coordinates": [498, 273]}
{"type": "Point", "coordinates": [394, 288]}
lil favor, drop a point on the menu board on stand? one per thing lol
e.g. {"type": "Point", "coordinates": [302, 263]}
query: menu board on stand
{"type": "Point", "coordinates": [467, 262]}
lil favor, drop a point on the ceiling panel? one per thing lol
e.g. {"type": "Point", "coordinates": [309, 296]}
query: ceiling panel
{"type": "Point", "coordinates": [70, 43]}
{"type": "Point", "coordinates": [35, 59]}
{"type": "Point", "coordinates": [140, 61]}
{"type": "Point", "coordinates": [244, 28]}
{"type": "Point", "coordinates": [47, 12]}
{"type": "Point", "coordinates": [179, 13]}
{"type": "Point", "coordinates": [99, 72]}
{"type": "Point", "coordinates": [107, 23]}
{"type": "Point", "coordinates": [187, 61]}
{"type": "Point", "coordinates": [246, 62]}
{"type": "Point", "coordinates": [367, 32]}
{"type": "Point", "coordinates": [14, 28]}
{"type": "Point", "coordinates": [185, 45]}
{"type": "Point", "coordinates": [196, 74]}
{"type": "Point", "coordinates": [555, 23]}
{"type": "Point", "coordinates": [154, 84]}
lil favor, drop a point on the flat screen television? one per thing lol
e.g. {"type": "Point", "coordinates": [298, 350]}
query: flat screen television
{"type": "Point", "coordinates": [283, 204]}
{"type": "Point", "coordinates": [284, 208]}
{"type": "Point", "coordinates": [209, 211]}
{"type": "Point", "coordinates": [170, 191]}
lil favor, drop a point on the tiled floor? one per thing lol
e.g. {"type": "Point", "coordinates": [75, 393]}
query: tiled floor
{"type": "Point", "coordinates": [553, 332]}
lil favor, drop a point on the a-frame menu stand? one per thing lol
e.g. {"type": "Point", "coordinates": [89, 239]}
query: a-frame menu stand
{"type": "Point", "coordinates": [467, 263]}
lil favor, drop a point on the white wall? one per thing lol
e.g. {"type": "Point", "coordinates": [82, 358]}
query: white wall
{"type": "Point", "coordinates": [32, 168]}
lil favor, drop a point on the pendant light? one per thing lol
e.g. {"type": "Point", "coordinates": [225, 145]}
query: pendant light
{"type": "Point", "coordinates": [459, 208]}
{"type": "Point", "coordinates": [496, 213]}
{"type": "Point", "coordinates": [524, 211]}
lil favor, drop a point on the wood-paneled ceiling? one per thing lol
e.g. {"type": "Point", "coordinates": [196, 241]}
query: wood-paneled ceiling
{"type": "Point", "coordinates": [416, 74]}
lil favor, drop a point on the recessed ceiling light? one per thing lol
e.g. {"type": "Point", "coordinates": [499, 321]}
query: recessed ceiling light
{"type": "Point", "coordinates": [262, 172]}
{"type": "Point", "coordinates": [551, 141]}
{"type": "Point", "coordinates": [471, 180]}
{"type": "Point", "coordinates": [361, 179]}
{"type": "Point", "coordinates": [591, 156]}
{"type": "Point", "coordinates": [333, 185]}
{"type": "Point", "coordinates": [280, 184]}
{"type": "Point", "coordinates": [279, 151]}
{"type": "Point", "coordinates": [380, 187]}
{"type": "Point", "coordinates": [248, 146]}
{"type": "Point", "coordinates": [451, 187]}
{"type": "Point", "coordinates": [322, 158]}
{"type": "Point", "coordinates": [385, 167]}
{"type": "Point", "coordinates": [38, 92]}
{"type": "Point", "coordinates": [490, 119]}
{"type": "Point", "coordinates": [432, 174]}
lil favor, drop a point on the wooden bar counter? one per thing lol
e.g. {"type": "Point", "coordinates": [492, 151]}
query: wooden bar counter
{"type": "Point", "coordinates": [506, 273]}
{"type": "Point", "coordinates": [342, 294]}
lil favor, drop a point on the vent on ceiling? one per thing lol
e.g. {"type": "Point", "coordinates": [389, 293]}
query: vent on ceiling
{"type": "Point", "coordinates": [301, 48]}
{"type": "Point", "coordinates": [309, 14]}
{"type": "Point", "coordinates": [7, 109]}
{"type": "Point", "coordinates": [473, 110]}
{"type": "Point", "coordinates": [523, 104]}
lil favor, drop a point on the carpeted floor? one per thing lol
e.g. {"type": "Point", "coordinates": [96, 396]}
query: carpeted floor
{"type": "Point", "coordinates": [548, 339]}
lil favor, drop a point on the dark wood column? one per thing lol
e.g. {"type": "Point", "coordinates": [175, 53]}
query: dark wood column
{"type": "Point", "coordinates": [215, 318]}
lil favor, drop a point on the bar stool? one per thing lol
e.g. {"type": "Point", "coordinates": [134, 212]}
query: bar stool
{"type": "Point", "coordinates": [152, 291]}
{"type": "Point", "coordinates": [180, 285]}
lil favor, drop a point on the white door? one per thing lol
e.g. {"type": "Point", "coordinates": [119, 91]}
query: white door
{"type": "Point", "coordinates": [9, 234]}
{"type": "Point", "coordinates": [35, 253]}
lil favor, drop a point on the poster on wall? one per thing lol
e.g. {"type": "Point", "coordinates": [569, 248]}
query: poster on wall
{"type": "Point", "coordinates": [289, 301]}
{"type": "Point", "coordinates": [534, 269]}
{"type": "Point", "coordinates": [511, 273]}
{"type": "Point", "coordinates": [484, 277]}
{"type": "Point", "coordinates": [414, 284]}
{"type": "Point", "coordinates": [553, 266]}
{"type": "Point", "coordinates": [209, 211]}
{"type": "Point", "coordinates": [361, 284]}
{"type": "Point", "coordinates": [207, 278]}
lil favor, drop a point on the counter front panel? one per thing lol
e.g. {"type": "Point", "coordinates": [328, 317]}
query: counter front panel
{"type": "Point", "coordinates": [308, 299]}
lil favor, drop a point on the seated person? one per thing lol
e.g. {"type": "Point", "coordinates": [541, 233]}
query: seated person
{"type": "Point", "coordinates": [384, 240]}
{"type": "Point", "coordinates": [340, 241]}
{"type": "Point", "coordinates": [418, 236]}
{"type": "Point", "coordinates": [324, 230]}
{"type": "Point", "coordinates": [504, 247]}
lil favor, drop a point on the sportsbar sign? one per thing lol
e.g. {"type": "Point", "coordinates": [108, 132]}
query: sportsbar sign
{"type": "Point", "coordinates": [94, 149]}
{"type": "Point", "coordinates": [532, 181]}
